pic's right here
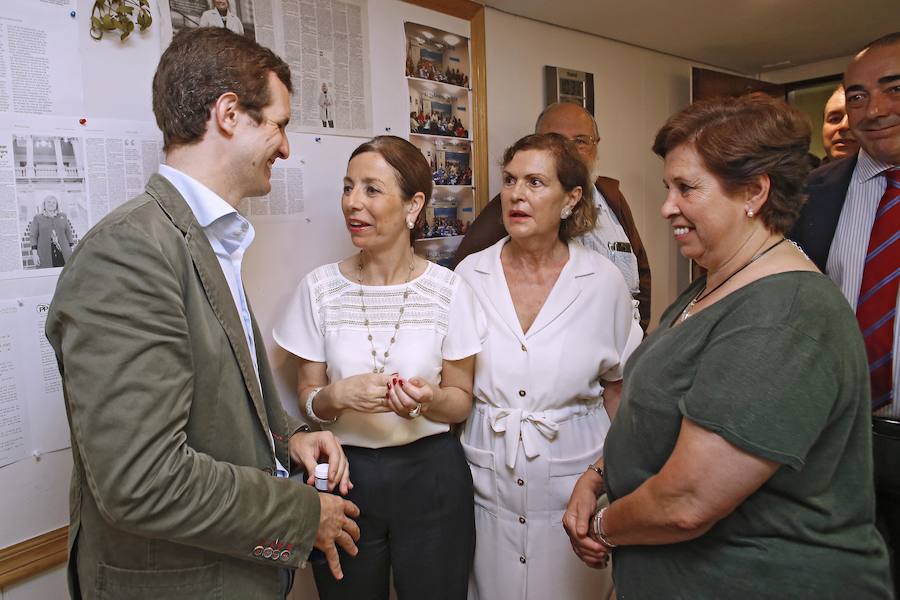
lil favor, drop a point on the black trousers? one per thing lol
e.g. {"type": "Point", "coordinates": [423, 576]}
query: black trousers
{"type": "Point", "coordinates": [417, 520]}
{"type": "Point", "coordinates": [886, 454]}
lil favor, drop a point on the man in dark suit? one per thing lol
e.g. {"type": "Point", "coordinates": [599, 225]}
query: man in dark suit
{"type": "Point", "coordinates": [181, 447]}
{"type": "Point", "coordinates": [615, 236]}
{"type": "Point", "coordinates": [850, 227]}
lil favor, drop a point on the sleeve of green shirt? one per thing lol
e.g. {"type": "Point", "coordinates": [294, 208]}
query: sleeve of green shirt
{"type": "Point", "coordinates": [767, 390]}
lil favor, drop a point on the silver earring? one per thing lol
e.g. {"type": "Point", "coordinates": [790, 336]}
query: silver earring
{"type": "Point", "coordinates": [410, 224]}
{"type": "Point", "coordinates": [750, 213]}
{"type": "Point", "coordinates": [566, 213]}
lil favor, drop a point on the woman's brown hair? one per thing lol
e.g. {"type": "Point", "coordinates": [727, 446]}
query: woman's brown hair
{"type": "Point", "coordinates": [571, 173]}
{"type": "Point", "coordinates": [410, 166]}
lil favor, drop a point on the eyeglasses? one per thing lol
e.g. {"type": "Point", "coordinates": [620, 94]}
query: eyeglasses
{"type": "Point", "coordinates": [583, 142]}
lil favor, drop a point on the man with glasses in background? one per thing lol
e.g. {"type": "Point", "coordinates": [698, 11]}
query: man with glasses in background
{"type": "Point", "coordinates": [615, 234]}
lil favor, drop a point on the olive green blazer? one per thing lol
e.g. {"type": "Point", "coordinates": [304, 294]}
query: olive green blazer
{"type": "Point", "coordinates": [172, 492]}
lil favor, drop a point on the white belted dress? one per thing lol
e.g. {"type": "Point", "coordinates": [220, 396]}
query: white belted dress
{"type": "Point", "coordinates": [539, 420]}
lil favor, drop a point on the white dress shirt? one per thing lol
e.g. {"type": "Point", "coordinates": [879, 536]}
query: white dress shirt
{"type": "Point", "coordinates": [850, 243]}
{"type": "Point", "coordinates": [230, 235]}
{"type": "Point", "coordinates": [608, 238]}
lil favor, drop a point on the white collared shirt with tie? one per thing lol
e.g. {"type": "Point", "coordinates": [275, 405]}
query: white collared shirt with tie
{"type": "Point", "coordinates": [539, 420]}
{"type": "Point", "coordinates": [847, 255]}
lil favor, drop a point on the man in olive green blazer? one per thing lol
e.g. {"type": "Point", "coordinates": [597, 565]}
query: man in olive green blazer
{"type": "Point", "coordinates": [178, 434]}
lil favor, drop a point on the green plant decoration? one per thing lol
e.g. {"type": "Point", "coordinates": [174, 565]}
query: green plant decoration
{"type": "Point", "coordinates": [119, 15]}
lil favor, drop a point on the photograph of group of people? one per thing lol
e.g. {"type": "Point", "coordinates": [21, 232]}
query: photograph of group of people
{"type": "Point", "coordinates": [450, 160]}
{"type": "Point", "coordinates": [436, 123]}
{"type": "Point", "coordinates": [436, 55]}
{"type": "Point", "coordinates": [511, 429]}
{"type": "Point", "coordinates": [445, 214]}
{"type": "Point", "coordinates": [437, 109]}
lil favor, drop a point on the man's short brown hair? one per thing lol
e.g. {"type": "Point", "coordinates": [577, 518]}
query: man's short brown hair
{"type": "Point", "coordinates": [200, 65]}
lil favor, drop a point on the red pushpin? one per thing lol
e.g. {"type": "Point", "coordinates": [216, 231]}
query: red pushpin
{"type": "Point", "coordinates": [82, 121]}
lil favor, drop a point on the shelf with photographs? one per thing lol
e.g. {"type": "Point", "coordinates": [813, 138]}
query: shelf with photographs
{"type": "Point", "coordinates": [440, 124]}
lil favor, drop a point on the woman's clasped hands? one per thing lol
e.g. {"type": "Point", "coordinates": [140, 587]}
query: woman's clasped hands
{"type": "Point", "coordinates": [379, 392]}
{"type": "Point", "coordinates": [409, 398]}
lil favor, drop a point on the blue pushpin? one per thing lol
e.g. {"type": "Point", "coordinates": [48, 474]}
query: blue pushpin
{"type": "Point", "coordinates": [387, 129]}
{"type": "Point", "coordinates": [318, 140]}
{"type": "Point", "coordinates": [72, 14]}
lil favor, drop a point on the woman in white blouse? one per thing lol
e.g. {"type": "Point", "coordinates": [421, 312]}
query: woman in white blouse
{"type": "Point", "coordinates": [385, 344]}
{"type": "Point", "coordinates": [560, 326]}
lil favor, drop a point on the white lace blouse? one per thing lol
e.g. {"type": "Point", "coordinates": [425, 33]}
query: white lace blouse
{"type": "Point", "coordinates": [325, 322]}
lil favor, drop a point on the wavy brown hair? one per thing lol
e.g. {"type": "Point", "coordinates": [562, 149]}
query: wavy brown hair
{"type": "Point", "coordinates": [410, 167]}
{"type": "Point", "coordinates": [739, 139]}
{"type": "Point", "coordinates": [571, 173]}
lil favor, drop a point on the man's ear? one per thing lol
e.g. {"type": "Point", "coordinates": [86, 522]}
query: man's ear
{"type": "Point", "coordinates": [225, 113]}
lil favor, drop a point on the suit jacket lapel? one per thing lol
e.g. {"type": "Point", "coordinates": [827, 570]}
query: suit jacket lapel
{"type": "Point", "coordinates": [827, 190]}
{"type": "Point", "coordinates": [214, 284]}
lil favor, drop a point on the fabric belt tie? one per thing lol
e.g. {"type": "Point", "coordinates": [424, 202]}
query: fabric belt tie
{"type": "Point", "coordinates": [509, 421]}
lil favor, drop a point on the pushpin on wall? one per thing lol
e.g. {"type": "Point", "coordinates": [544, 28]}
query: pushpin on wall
{"type": "Point", "coordinates": [82, 121]}
{"type": "Point", "coordinates": [72, 14]}
{"type": "Point", "coordinates": [387, 129]}
{"type": "Point", "coordinates": [318, 140]}
{"type": "Point", "coordinates": [36, 454]}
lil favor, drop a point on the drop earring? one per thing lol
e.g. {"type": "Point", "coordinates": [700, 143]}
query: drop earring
{"type": "Point", "coordinates": [750, 213]}
{"type": "Point", "coordinates": [566, 213]}
{"type": "Point", "coordinates": [410, 224]}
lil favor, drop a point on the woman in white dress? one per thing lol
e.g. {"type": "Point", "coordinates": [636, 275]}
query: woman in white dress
{"type": "Point", "coordinates": [385, 344]}
{"type": "Point", "coordinates": [560, 327]}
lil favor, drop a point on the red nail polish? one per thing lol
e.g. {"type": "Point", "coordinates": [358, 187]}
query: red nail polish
{"type": "Point", "coordinates": [389, 386]}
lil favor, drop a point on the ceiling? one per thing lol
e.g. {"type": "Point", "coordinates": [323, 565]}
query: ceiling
{"type": "Point", "coordinates": [749, 36]}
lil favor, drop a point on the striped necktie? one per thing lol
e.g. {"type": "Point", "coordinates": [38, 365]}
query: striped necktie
{"type": "Point", "coordinates": [878, 291]}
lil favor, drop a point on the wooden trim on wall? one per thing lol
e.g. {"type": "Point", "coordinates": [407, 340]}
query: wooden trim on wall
{"type": "Point", "coordinates": [474, 13]}
{"type": "Point", "coordinates": [464, 9]}
{"type": "Point", "coordinates": [31, 557]}
{"type": "Point", "coordinates": [479, 110]}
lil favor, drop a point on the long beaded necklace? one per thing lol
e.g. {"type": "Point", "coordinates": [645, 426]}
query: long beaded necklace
{"type": "Point", "coordinates": [362, 300]}
{"type": "Point", "coordinates": [703, 293]}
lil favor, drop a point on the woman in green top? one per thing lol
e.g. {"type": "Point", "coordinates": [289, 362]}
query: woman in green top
{"type": "Point", "coordinates": [739, 464]}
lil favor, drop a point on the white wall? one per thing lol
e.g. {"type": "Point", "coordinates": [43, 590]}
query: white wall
{"type": "Point", "coordinates": [635, 91]}
{"type": "Point", "coordinates": [822, 68]}
{"type": "Point", "coordinates": [50, 585]}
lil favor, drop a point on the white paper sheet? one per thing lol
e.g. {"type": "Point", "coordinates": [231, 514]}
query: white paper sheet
{"type": "Point", "coordinates": [87, 170]}
{"type": "Point", "coordinates": [43, 385]}
{"type": "Point", "coordinates": [15, 434]}
{"type": "Point", "coordinates": [326, 44]}
{"type": "Point", "coordinates": [40, 69]}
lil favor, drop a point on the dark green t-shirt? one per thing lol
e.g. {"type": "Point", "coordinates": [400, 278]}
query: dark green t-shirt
{"type": "Point", "coordinates": [778, 369]}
